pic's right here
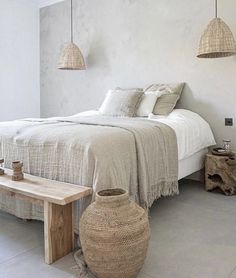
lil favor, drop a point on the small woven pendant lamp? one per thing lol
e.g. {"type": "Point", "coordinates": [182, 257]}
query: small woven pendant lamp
{"type": "Point", "coordinates": [217, 40]}
{"type": "Point", "coordinates": [71, 57]}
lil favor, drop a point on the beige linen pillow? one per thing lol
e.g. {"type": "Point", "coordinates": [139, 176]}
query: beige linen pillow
{"type": "Point", "coordinates": [121, 102]}
{"type": "Point", "coordinates": [167, 101]}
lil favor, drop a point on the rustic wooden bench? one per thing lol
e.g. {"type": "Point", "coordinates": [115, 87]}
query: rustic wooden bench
{"type": "Point", "coordinates": [57, 199]}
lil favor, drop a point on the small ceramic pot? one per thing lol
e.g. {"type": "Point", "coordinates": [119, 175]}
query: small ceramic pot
{"type": "Point", "coordinates": [17, 171]}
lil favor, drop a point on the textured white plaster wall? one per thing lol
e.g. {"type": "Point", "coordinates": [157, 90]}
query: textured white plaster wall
{"type": "Point", "coordinates": [132, 43]}
{"type": "Point", "coordinates": [19, 59]}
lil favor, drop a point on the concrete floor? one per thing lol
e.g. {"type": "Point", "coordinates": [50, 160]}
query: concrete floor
{"type": "Point", "coordinates": [193, 235]}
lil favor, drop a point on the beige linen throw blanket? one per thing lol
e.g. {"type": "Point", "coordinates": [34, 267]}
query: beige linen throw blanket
{"type": "Point", "coordinates": [102, 152]}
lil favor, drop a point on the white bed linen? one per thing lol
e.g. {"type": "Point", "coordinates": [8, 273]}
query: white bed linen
{"type": "Point", "coordinates": [192, 131]}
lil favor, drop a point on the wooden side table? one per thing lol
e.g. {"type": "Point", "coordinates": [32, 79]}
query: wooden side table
{"type": "Point", "coordinates": [220, 172]}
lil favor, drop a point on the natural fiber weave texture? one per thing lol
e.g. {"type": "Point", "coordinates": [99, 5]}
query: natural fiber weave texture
{"type": "Point", "coordinates": [217, 41]}
{"type": "Point", "coordinates": [71, 58]}
{"type": "Point", "coordinates": [114, 234]}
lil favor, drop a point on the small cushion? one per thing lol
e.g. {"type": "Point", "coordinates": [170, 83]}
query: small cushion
{"type": "Point", "coordinates": [121, 102]}
{"type": "Point", "coordinates": [167, 101]}
{"type": "Point", "coordinates": [146, 105]}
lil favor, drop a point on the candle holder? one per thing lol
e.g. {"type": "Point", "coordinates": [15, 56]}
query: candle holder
{"type": "Point", "coordinates": [1, 167]}
{"type": "Point", "coordinates": [17, 171]}
{"type": "Point", "coordinates": [227, 145]}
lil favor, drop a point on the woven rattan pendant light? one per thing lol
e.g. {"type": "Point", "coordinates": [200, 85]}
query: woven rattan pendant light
{"type": "Point", "coordinates": [71, 58]}
{"type": "Point", "coordinates": [217, 40]}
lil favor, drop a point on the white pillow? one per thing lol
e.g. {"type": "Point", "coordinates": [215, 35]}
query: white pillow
{"type": "Point", "coordinates": [156, 92]}
{"type": "Point", "coordinates": [147, 103]}
{"type": "Point", "coordinates": [146, 106]}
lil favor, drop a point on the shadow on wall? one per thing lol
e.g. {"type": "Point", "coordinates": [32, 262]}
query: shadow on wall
{"type": "Point", "coordinates": [97, 57]}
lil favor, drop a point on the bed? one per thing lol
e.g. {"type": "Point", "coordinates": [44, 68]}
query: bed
{"type": "Point", "coordinates": [146, 156]}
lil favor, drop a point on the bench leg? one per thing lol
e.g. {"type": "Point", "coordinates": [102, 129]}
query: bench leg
{"type": "Point", "coordinates": [58, 231]}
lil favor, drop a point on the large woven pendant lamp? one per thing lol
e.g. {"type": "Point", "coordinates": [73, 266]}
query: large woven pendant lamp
{"type": "Point", "coordinates": [217, 40]}
{"type": "Point", "coordinates": [71, 58]}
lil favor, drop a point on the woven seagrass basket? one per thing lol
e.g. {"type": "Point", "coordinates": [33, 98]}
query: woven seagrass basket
{"type": "Point", "coordinates": [114, 234]}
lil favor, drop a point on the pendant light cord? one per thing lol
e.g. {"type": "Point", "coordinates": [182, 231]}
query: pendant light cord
{"type": "Point", "coordinates": [216, 6]}
{"type": "Point", "coordinates": [71, 20]}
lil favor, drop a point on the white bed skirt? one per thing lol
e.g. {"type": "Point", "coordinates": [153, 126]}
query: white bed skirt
{"type": "Point", "coordinates": [191, 164]}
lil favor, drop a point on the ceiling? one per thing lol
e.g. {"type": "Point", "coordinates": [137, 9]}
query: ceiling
{"type": "Point", "coordinates": [44, 3]}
